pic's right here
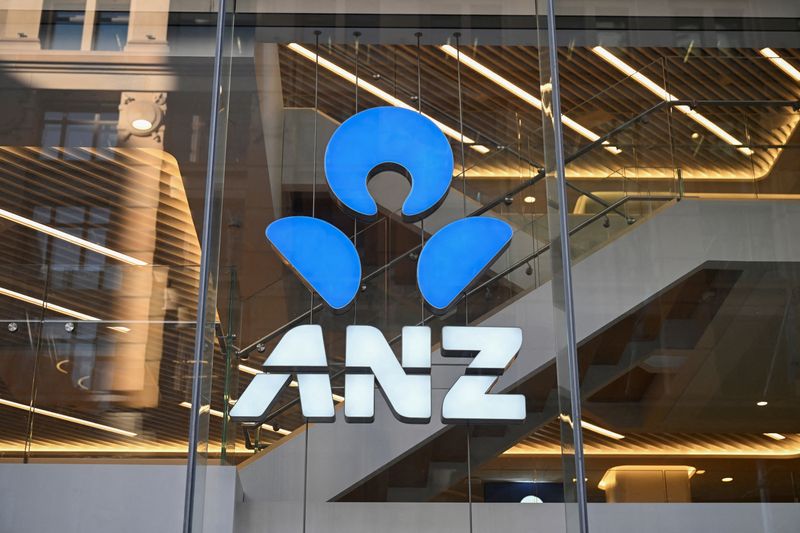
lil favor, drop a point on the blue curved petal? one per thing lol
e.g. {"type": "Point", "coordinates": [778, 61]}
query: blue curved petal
{"type": "Point", "coordinates": [387, 137]}
{"type": "Point", "coordinates": [456, 255]}
{"type": "Point", "coordinates": [321, 255]}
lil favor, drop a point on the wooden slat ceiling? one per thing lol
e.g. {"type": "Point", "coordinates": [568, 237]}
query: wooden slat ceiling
{"type": "Point", "coordinates": [120, 180]}
{"type": "Point", "coordinates": [594, 93]}
{"type": "Point", "coordinates": [547, 441]}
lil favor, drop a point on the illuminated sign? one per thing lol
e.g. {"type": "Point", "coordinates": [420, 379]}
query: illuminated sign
{"type": "Point", "coordinates": [326, 261]}
{"type": "Point", "coordinates": [372, 141]}
{"type": "Point", "coordinates": [406, 386]}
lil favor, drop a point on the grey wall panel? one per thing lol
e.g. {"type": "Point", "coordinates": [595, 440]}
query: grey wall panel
{"type": "Point", "coordinates": [103, 498]}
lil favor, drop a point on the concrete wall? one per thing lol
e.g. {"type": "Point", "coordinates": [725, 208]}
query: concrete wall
{"type": "Point", "coordinates": [104, 498]}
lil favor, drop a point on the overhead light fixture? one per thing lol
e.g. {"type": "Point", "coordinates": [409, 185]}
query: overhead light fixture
{"type": "Point", "coordinates": [380, 93]}
{"type": "Point", "coordinates": [529, 199]}
{"type": "Point", "coordinates": [762, 403]}
{"type": "Point", "coordinates": [521, 93]}
{"type": "Point", "coordinates": [141, 124]}
{"type": "Point", "coordinates": [700, 472]}
{"type": "Point", "coordinates": [47, 305]}
{"type": "Point", "coordinates": [602, 431]}
{"type": "Point", "coordinates": [727, 479]}
{"type": "Point", "coordinates": [67, 418]}
{"type": "Point", "coordinates": [776, 436]}
{"type": "Point", "coordinates": [218, 414]}
{"type": "Point", "coordinates": [781, 63]}
{"type": "Point", "coordinates": [254, 372]}
{"type": "Point", "coordinates": [64, 236]}
{"type": "Point", "coordinates": [121, 329]}
{"type": "Point", "coordinates": [662, 93]}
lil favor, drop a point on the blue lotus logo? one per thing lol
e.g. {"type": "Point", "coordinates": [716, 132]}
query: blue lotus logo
{"type": "Point", "coordinates": [372, 141]}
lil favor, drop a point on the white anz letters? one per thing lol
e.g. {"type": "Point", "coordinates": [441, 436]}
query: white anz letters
{"type": "Point", "coordinates": [407, 389]}
{"type": "Point", "coordinates": [468, 400]}
{"type": "Point", "coordinates": [300, 351]}
{"type": "Point", "coordinates": [406, 386]}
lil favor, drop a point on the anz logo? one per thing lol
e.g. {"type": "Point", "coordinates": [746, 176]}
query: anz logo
{"type": "Point", "coordinates": [325, 259]}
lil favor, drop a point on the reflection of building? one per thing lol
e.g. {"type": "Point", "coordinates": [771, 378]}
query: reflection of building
{"type": "Point", "coordinates": [680, 140]}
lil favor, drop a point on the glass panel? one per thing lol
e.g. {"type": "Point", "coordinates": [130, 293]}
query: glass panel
{"type": "Point", "coordinates": [683, 298]}
{"type": "Point", "coordinates": [104, 128]}
{"type": "Point", "coordinates": [295, 81]}
{"type": "Point", "coordinates": [23, 297]}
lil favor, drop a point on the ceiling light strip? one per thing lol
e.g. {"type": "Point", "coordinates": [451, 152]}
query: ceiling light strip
{"type": "Point", "coordinates": [67, 418]}
{"type": "Point", "coordinates": [654, 88]}
{"type": "Point", "coordinates": [601, 431]}
{"type": "Point", "coordinates": [64, 236]}
{"type": "Point", "coordinates": [522, 94]}
{"type": "Point", "coordinates": [218, 414]}
{"type": "Point", "coordinates": [47, 305]}
{"type": "Point", "coordinates": [254, 372]}
{"type": "Point", "coordinates": [380, 93]}
{"type": "Point", "coordinates": [775, 436]}
{"type": "Point", "coordinates": [781, 63]}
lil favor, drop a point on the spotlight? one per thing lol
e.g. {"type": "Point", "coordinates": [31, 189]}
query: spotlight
{"type": "Point", "coordinates": [141, 124]}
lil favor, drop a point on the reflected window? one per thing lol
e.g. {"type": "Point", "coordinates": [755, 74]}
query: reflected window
{"type": "Point", "coordinates": [73, 267]}
{"type": "Point", "coordinates": [76, 129]}
{"type": "Point", "coordinates": [111, 31]}
{"type": "Point", "coordinates": [61, 30]}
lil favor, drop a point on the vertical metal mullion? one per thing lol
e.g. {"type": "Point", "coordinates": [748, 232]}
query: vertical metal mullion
{"type": "Point", "coordinates": [205, 269]}
{"type": "Point", "coordinates": [569, 313]}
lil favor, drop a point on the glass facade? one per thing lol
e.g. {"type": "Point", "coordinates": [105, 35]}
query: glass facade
{"type": "Point", "coordinates": [642, 159]}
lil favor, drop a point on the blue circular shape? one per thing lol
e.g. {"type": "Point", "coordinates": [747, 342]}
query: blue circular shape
{"type": "Point", "coordinates": [321, 255]}
{"type": "Point", "coordinates": [389, 138]}
{"type": "Point", "coordinates": [456, 255]}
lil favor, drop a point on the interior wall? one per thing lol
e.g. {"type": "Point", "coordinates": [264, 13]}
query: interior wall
{"type": "Point", "coordinates": [89, 498]}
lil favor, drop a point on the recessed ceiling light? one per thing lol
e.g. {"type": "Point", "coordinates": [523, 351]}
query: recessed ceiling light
{"type": "Point", "coordinates": [762, 403]}
{"type": "Point", "coordinates": [700, 472]}
{"type": "Point", "coordinates": [141, 124]}
{"type": "Point", "coordinates": [602, 431]}
{"type": "Point", "coordinates": [727, 479]}
{"type": "Point", "coordinates": [659, 91]}
{"type": "Point", "coordinates": [47, 305]}
{"type": "Point", "coordinates": [219, 414]}
{"type": "Point", "coordinates": [522, 94]}
{"type": "Point", "coordinates": [781, 63]}
{"type": "Point", "coordinates": [254, 372]}
{"type": "Point", "coordinates": [64, 236]}
{"type": "Point", "coordinates": [380, 93]}
{"type": "Point", "coordinates": [695, 135]}
{"type": "Point", "coordinates": [66, 418]}
{"type": "Point", "coordinates": [776, 436]}
{"type": "Point", "coordinates": [529, 199]}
